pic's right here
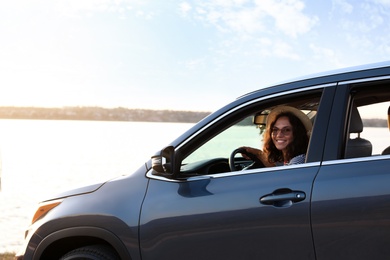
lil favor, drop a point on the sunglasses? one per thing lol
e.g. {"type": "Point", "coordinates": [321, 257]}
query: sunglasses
{"type": "Point", "coordinates": [284, 131]}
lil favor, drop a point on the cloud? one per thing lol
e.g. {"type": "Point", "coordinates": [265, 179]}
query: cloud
{"type": "Point", "coordinates": [277, 48]}
{"type": "Point", "coordinates": [79, 8]}
{"type": "Point", "coordinates": [284, 50]}
{"type": "Point", "coordinates": [325, 55]}
{"type": "Point", "coordinates": [73, 6]}
{"type": "Point", "coordinates": [288, 15]}
{"type": "Point", "coordinates": [194, 64]}
{"type": "Point", "coordinates": [362, 17]}
{"type": "Point", "coordinates": [184, 8]}
{"type": "Point", "coordinates": [364, 27]}
{"type": "Point", "coordinates": [256, 16]}
{"type": "Point", "coordinates": [385, 48]}
{"type": "Point", "coordinates": [383, 2]}
{"type": "Point", "coordinates": [343, 6]}
{"type": "Point", "coordinates": [245, 21]}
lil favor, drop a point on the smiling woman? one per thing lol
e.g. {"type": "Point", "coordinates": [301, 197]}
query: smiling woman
{"type": "Point", "coordinates": [286, 137]}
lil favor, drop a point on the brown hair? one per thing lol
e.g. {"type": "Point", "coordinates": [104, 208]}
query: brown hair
{"type": "Point", "coordinates": [296, 147]}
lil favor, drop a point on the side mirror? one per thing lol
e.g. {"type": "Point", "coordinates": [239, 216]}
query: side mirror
{"type": "Point", "coordinates": [163, 161]}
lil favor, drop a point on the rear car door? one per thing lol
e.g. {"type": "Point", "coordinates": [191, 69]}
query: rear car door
{"type": "Point", "coordinates": [249, 214]}
{"type": "Point", "coordinates": [351, 194]}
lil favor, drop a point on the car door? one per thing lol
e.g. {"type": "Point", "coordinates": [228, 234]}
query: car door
{"type": "Point", "coordinates": [249, 214]}
{"type": "Point", "coordinates": [351, 194]}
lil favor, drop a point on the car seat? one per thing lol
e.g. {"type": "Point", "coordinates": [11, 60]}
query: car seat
{"type": "Point", "coordinates": [357, 147]}
{"type": "Point", "coordinates": [387, 150]}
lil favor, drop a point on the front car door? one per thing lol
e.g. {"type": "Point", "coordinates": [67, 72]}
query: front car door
{"type": "Point", "coordinates": [351, 194]}
{"type": "Point", "coordinates": [210, 212]}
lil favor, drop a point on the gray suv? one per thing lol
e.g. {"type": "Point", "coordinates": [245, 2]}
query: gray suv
{"type": "Point", "coordinates": [199, 197]}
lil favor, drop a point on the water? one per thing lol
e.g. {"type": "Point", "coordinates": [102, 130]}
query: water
{"type": "Point", "coordinates": [41, 158]}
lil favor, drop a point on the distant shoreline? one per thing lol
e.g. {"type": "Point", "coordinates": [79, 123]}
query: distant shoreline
{"type": "Point", "coordinates": [120, 114]}
{"type": "Point", "coordinates": [101, 114]}
{"type": "Point", "coordinates": [7, 256]}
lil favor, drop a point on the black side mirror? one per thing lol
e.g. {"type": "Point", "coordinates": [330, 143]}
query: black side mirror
{"type": "Point", "coordinates": [163, 161]}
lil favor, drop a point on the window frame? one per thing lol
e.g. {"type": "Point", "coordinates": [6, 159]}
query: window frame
{"type": "Point", "coordinates": [339, 121]}
{"type": "Point", "coordinates": [231, 117]}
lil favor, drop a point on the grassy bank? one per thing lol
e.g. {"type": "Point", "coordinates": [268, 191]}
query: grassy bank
{"type": "Point", "coordinates": [7, 256]}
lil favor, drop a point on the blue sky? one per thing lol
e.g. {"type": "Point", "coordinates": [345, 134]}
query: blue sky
{"type": "Point", "coordinates": [179, 55]}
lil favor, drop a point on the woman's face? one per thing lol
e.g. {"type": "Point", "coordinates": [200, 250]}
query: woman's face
{"type": "Point", "coordinates": [282, 133]}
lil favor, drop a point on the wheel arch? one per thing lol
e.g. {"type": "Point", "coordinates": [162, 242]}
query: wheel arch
{"type": "Point", "coordinates": [62, 241]}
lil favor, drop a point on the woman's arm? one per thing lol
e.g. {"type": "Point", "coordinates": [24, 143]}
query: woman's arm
{"type": "Point", "coordinates": [259, 154]}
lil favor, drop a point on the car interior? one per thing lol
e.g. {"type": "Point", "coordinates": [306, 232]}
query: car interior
{"type": "Point", "coordinates": [374, 103]}
{"type": "Point", "coordinates": [256, 122]}
{"type": "Point", "coordinates": [386, 151]}
{"type": "Point", "coordinates": [357, 147]}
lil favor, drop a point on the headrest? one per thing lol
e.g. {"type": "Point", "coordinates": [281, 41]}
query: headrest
{"type": "Point", "coordinates": [356, 123]}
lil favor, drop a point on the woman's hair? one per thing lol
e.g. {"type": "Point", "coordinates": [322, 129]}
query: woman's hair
{"type": "Point", "coordinates": [296, 147]}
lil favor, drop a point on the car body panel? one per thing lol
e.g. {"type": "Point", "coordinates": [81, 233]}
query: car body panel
{"type": "Point", "coordinates": [351, 209]}
{"type": "Point", "coordinates": [223, 218]}
{"type": "Point", "coordinates": [113, 208]}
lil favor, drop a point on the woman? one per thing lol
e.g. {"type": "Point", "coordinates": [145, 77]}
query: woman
{"type": "Point", "coordinates": [286, 138]}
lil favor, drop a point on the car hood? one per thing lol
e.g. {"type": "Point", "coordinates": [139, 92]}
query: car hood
{"type": "Point", "coordinates": [77, 191]}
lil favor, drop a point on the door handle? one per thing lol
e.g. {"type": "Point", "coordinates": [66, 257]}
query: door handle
{"type": "Point", "coordinates": [283, 198]}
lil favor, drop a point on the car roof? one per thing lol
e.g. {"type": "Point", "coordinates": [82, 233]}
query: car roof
{"type": "Point", "coordinates": [332, 76]}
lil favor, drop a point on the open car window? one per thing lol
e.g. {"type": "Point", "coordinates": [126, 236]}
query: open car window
{"type": "Point", "coordinates": [368, 132]}
{"type": "Point", "coordinates": [212, 156]}
{"type": "Point", "coordinates": [243, 133]}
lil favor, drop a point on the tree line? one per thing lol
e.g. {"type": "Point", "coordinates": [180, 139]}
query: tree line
{"type": "Point", "coordinates": [100, 113]}
{"type": "Point", "coordinates": [123, 114]}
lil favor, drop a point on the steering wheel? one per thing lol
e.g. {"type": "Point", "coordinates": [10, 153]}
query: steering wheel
{"type": "Point", "coordinates": [256, 161]}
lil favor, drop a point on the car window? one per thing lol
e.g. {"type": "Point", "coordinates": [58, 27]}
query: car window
{"type": "Point", "coordinates": [243, 133]}
{"type": "Point", "coordinates": [212, 156]}
{"type": "Point", "coordinates": [375, 127]}
{"type": "Point", "coordinates": [368, 133]}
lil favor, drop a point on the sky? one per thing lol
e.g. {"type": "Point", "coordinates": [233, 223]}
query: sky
{"type": "Point", "coordinates": [177, 55]}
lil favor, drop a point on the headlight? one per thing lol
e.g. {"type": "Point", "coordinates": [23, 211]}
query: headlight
{"type": "Point", "coordinates": [44, 208]}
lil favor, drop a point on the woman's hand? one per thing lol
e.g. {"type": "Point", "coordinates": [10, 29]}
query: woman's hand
{"type": "Point", "coordinates": [251, 150]}
{"type": "Point", "coordinates": [259, 154]}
